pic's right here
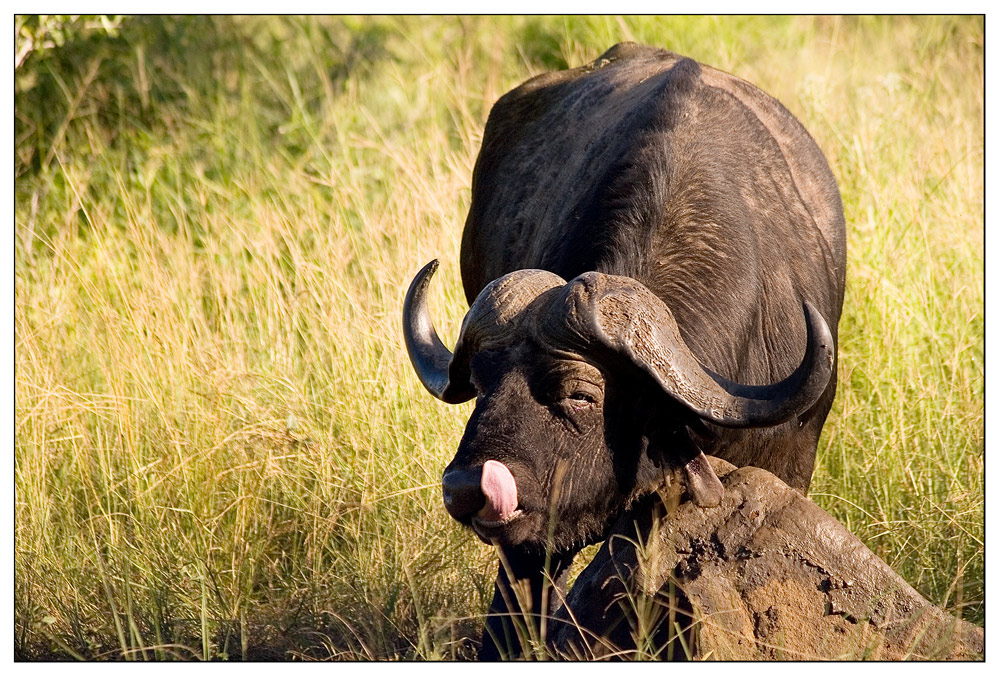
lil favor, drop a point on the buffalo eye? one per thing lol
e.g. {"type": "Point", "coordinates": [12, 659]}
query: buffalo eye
{"type": "Point", "coordinates": [580, 400]}
{"type": "Point", "coordinates": [578, 396]}
{"type": "Point", "coordinates": [572, 390]}
{"type": "Point", "coordinates": [576, 409]}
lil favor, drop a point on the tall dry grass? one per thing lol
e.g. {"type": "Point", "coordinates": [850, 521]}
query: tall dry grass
{"type": "Point", "coordinates": [220, 448]}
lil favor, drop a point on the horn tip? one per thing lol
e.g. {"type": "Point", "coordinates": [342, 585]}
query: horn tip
{"type": "Point", "coordinates": [420, 283]}
{"type": "Point", "coordinates": [430, 268]}
{"type": "Point", "coordinates": [819, 329]}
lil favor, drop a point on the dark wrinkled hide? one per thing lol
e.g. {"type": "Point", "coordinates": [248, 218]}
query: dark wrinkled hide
{"type": "Point", "coordinates": [692, 184]}
{"type": "Point", "coordinates": [766, 574]}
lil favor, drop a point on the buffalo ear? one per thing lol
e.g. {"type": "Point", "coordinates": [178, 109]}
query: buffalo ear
{"type": "Point", "coordinates": [667, 446]}
{"type": "Point", "coordinates": [702, 483]}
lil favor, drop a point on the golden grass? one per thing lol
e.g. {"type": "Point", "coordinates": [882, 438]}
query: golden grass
{"type": "Point", "coordinates": [220, 447]}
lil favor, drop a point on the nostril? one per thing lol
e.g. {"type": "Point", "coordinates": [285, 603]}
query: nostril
{"type": "Point", "coordinates": [463, 495]}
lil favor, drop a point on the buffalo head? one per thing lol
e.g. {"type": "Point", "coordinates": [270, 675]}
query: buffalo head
{"type": "Point", "coordinates": [586, 397]}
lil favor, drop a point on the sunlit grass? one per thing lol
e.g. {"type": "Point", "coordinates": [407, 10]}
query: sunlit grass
{"type": "Point", "coordinates": [220, 447]}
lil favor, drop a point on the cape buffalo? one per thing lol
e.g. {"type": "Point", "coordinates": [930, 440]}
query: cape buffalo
{"type": "Point", "coordinates": [654, 260]}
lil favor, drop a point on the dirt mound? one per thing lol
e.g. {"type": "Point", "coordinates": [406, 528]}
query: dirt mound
{"type": "Point", "coordinates": [766, 575]}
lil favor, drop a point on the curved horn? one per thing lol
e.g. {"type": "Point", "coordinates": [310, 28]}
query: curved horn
{"type": "Point", "coordinates": [796, 394]}
{"type": "Point", "coordinates": [430, 357]}
{"type": "Point", "coordinates": [492, 320]}
{"type": "Point", "coordinates": [629, 318]}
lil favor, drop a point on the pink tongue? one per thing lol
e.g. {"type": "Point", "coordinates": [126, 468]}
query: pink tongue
{"type": "Point", "coordinates": [500, 490]}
